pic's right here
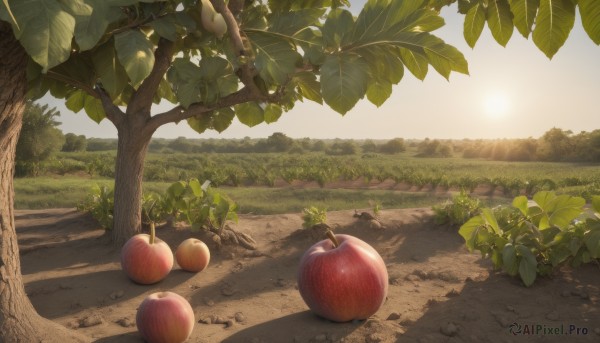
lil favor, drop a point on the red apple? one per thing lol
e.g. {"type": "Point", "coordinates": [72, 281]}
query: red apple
{"type": "Point", "coordinates": [146, 259]}
{"type": "Point", "coordinates": [192, 255]}
{"type": "Point", "coordinates": [343, 280]}
{"type": "Point", "coordinates": [165, 317]}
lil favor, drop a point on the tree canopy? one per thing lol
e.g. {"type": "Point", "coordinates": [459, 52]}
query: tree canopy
{"type": "Point", "coordinates": [93, 53]}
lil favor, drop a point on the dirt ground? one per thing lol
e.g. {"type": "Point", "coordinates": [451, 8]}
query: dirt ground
{"type": "Point", "coordinates": [438, 291]}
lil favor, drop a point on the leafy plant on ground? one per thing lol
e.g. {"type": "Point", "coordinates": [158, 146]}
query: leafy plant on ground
{"type": "Point", "coordinates": [534, 238]}
{"type": "Point", "coordinates": [100, 204]}
{"type": "Point", "coordinates": [458, 210]}
{"type": "Point", "coordinates": [203, 207]}
{"type": "Point", "coordinates": [313, 216]}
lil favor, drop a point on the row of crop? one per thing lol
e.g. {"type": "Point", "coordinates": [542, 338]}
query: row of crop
{"type": "Point", "coordinates": [266, 169]}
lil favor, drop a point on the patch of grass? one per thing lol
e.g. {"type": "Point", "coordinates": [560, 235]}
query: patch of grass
{"type": "Point", "coordinates": [258, 200]}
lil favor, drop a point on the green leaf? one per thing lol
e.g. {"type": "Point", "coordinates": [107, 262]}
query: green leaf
{"type": "Point", "coordinates": [490, 219]}
{"type": "Point", "coordinates": [379, 92]}
{"type": "Point", "coordinates": [416, 63]}
{"type": "Point", "coordinates": [337, 28]}
{"type": "Point", "coordinates": [250, 114]}
{"type": "Point", "coordinates": [311, 42]}
{"type": "Point", "coordinates": [344, 79]}
{"type": "Point", "coordinates": [93, 108]}
{"type": "Point", "coordinates": [290, 23]}
{"type": "Point", "coordinates": [8, 14]}
{"type": "Point", "coordinates": [222, 119]}
{"type": "Point", "coordinates": [564, 209]}
{"type": "Point", "coordinates": [76, 7]}
{"type": "Point", "coordinates": [196, 187]}
{"type": "Point", "coordinates": [474, 23]}
{"type": "Point", "coordinates": [276, 58]}
{"type": "Point", "coordinates": [553, 25]}
{"type": "Point", "coordinates": [510, 262]}
{"type": "Point", "coordinates": [499, 19]}
{"type": "Point", "coordinates": [590, 18]}
{"type": "Point", "coordinates": [272, 113]}
{"type": "Point", "coordinates": [76, 101]}
{"type": "Point", "coordinates": [166, 27]}
{"type": "Point", "coordinates": [135, 52]}
{"type": "Point", "coordinates": [200, 123]}
{"type": "Point", "coordinates": [524, 12]}
{"type": "Point", "coordinates": [176, 189]}
{"type": "Point", "coordinates": [89, 29]}
{"type": "Point", "coordinates": [45, 30]}
{"type": "Point", "coordinates": [596, 203]}
{"type": "Point", "coordinates": [111, 73]}
{"type": "Point", "coordinates": [469, 231]}
{"type": "Point", "coordinates": [527, 265]}
{"type": "Point", "coordinates": [592, 243]}
{"type": "Point", "coordinates": [521, 203]}
{"type": "Point", "coordinates": [443, 57]}
{"type": "Point", "coordinates": [184, 77]}
{"type": "Point", "coordinates": [308, 86]}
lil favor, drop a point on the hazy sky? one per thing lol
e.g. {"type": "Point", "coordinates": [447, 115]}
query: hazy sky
{"type": "Point", "coordinates": [512, 92]}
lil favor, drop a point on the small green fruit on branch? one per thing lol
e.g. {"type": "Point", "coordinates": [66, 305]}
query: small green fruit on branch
{"type": "Point", "coordinates": [211, 20]}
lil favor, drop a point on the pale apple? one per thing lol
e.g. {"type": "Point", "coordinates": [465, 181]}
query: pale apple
{"type": "Point", "coordinates": [165, 317]}
{"type": "Point", "coordinates": [192, 255]}
{"type": "Point", "coordinates": [146, 259]}
{"type": "Point", "coordinates": [343, 280]}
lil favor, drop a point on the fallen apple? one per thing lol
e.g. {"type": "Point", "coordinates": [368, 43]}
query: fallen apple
{"type": "Point", "coordinates": [192, 255]}
{"type": "Point", "coordinates": [165, 317]}
{"type": "Point", "coordinates": [146, 259]}
{"type": "Point", "coordinates": [342, 278]}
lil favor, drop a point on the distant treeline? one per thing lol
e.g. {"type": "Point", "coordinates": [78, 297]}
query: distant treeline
{"type": "Point", "coordinates": [276, 143]}
{"type": "Point", "coordinates": [556, 145]}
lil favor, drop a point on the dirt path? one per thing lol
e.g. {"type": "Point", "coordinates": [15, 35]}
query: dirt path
{"type": "Point", "coordinates": [438, 291]}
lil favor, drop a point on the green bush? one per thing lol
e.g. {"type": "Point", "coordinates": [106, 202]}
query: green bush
{"type": "Point", "coordinates": [457, 211]}
{"type": "Point", "coordinates": [534, 238]}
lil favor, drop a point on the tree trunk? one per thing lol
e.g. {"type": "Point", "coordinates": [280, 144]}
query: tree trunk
{"type": "Point", "coordinates": [19, 322]}
{"type": "Point", "coordinates": [129, 171]}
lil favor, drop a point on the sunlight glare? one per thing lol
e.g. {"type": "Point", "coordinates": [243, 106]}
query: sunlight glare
{"type": "Point", "coordinates": [496, 105]}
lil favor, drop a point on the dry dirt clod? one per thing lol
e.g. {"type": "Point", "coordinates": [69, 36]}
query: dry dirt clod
{"type": "Point", "coordinates": [394, 316]}
{"type": "Point", "coordinates": [239, 317]}
{"type": "Point", "coordinates": [116, 295]}
{"type": "Point", "coordinates": [125, 322]}
{"type": "Point", "coordinates": [450, 329]}
{"type": "Point", "coordinates": [92, 320]}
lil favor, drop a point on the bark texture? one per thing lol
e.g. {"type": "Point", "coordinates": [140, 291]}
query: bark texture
{"type": "Point", "coordinates": [129, 172]}
{"type": "Point", "coordinates": [19, 322]}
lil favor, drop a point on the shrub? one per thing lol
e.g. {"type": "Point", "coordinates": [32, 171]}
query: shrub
{"type": "Point", "coordinates": [457, 211]}
{"type": "Point", "coordinates": [534, 238]}
{"type": "Point", "coordinates": [313, 216]}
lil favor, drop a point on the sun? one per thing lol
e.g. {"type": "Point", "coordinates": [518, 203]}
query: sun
{"type": "Point", "coordinates": [496, 105]}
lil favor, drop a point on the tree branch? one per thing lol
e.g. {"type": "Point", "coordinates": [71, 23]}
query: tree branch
{"type": "Point", "coordinates": [112, 111]}
{"type": "Point", "coordinates": [179, 113]}
{"type": "Point", "coordinates": [247, 72]}
{"type": "Point", "coordinates": [141, 101]}
{"type": "Point", "coordinates": [77, 84]}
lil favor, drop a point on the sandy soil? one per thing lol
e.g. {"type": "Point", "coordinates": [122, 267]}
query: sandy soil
{"type": "Point", "coordinates": [438, 291]}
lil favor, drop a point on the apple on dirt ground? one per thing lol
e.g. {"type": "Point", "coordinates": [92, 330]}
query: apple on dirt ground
{"type": "Point", "coordinates": [343, 278]}
{"type": "Point", "coordinates": [192, 255]}
{"type": "Point", "coordinates": [165, 317]}
{"type": "Point", "coordinates": [146, 259]}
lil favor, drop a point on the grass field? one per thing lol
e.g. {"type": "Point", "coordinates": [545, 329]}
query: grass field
{"type": "Point", "coordinates": [249, 178]}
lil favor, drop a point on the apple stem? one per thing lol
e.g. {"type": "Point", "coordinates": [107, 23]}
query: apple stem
{"type": "Point", "coordinates": [334, 240]}
{"type": "Point", "coordinates": [152, 232]}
